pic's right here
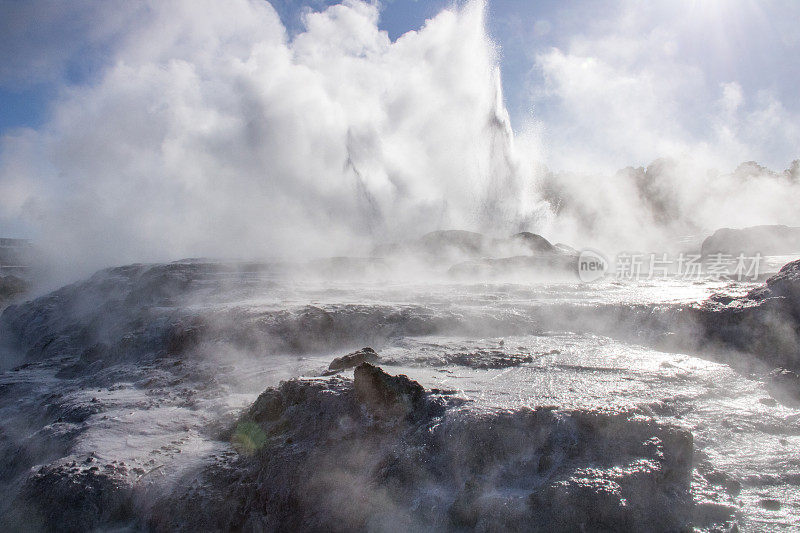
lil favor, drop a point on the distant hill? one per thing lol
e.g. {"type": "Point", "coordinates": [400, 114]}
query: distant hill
{"type": "Point", "coordinates": [766, 240]}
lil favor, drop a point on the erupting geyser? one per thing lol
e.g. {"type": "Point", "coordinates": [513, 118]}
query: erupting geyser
{"type": "Point", "coordinates": [297, 269]}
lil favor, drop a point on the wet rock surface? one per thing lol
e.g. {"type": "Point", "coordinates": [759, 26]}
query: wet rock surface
{"type": "Point", "coordinates": [374, 452]}
{"type": "Point", "coordinates": [770, 504]}
{"type": "Point", "coordinates": [784, 384]}
{"type": "Point", "coordinates": [322, 460]}
{"type": "Point", "coordinates": [488, 359]}
{"type": "Point", "coordinates": [470, 357]}
{"type": "Point", "coordinates": [765, 322]}
{"type": "Point", "coordinates": [143, 365]}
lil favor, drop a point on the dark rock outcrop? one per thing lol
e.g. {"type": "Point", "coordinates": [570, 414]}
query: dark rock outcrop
{"type": "Point", "coordinates": [765, 322]}
{"type": "Point", "coordinates": [535, 243]}
{"type": "Point", "coordinates": [764, 240]}
{"type": "Point", "coordinates": [441, 247]}
{"type": "Point", "coordinates": [11, 288]}
{"type": "Point", "coordinates": [70, 497]}
{"type": "Point", "coordinates": [387, 395]}
{"type": "Point", "coordinates": [785, 284]}
{"type": "Point", "coordinates": [351, 360]}
{"type": "Point", "coordinates": [317, 458]}
{"type": "Point", "coordinates": [138, 312]}
{"type": "Point", "coordinates": [785, 385]}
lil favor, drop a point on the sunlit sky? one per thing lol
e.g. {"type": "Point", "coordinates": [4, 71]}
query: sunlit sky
{"type": "Point", "coordinates": [590, 86]}
{"type": "Point", "coordinates": [575, 68]}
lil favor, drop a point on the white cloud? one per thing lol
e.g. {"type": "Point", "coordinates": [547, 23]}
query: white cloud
{"type": "Point", "coordinates": [207, 132]}
{"type": "Point", "coordinates": [627, 93]}
{"type": "Point", "coordinates": [633, 88]}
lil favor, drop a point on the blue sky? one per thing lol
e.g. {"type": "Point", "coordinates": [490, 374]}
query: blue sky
{"type": "Point", "coordinates": [59, 40]}
{"type": "Point", "coordinates": [24, 95]}
{"type": "Point", "coordinates": [120, 119]}
{"type": "Point", "coordinates": [48, 47]}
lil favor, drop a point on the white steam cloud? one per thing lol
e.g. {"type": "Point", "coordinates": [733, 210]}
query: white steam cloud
{"type": "Point", "coordinates": [210, 132]}
{"type": "Point", "coordinates": [668, 206]}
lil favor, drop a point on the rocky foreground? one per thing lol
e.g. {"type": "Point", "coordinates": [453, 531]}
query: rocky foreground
{"type": "Point", "coordinates": [118, 414]}
{"type": "Point", "coordinates": [378, 452]}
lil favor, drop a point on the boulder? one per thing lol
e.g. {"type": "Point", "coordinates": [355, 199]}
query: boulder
{"type": "Point", "coordinates": [457, 245]}
{"type": "Point", "coordinates": [387, 395]}
{"type": "Point", "coordinates": [785, 284]}
{"type": "Point", "coordinates": [70, 497]}
{"type": "Point", "coordinates": [764, 322]}
{"type": "Point", "coordinates": [533, 242]}
{"type": "Point", "coordinates": [364, 355]}
{"type": "Point", "coordinates": [770, 504]}
{"type": "Point", "coordinates": [764, 240]}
